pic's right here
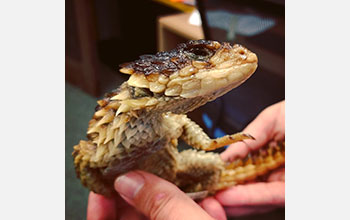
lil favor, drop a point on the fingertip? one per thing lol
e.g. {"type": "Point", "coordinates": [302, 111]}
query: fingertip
{"type": "Point", "coordinates": [100, 207]}
{"type": "Point", "coordinates": [97, 201]}
{"type": "Point", "coordinates": [233, 196]}
{"type": "Point", "coordinates": [237, 150]}
{"type": "Point", "coordinates": [129, 184]}
{"type": "Point", "coordinates": [213, 208]}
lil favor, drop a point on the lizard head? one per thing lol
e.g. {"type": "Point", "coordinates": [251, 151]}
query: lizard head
{"type": "Point", "coordinates": [190, 75]}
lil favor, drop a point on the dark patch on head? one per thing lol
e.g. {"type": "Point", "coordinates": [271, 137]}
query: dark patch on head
{"type": "Point", "coordinates": [199, 50]}
{"type": "Point", "coordinates": [167, 62]}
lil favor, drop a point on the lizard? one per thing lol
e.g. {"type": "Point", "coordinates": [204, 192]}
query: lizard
{"type": "Point", "coordinates": [137, 126]}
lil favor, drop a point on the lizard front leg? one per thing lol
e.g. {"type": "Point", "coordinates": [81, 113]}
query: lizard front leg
{"type": "Point", "coordinates": [194, 135]}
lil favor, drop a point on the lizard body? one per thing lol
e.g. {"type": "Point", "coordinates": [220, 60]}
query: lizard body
{"type": "Point", "coordinates": [138, 125]}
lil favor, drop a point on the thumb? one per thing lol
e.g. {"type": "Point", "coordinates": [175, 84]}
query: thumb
{"type": "Point", "coordinates": [157, 198]}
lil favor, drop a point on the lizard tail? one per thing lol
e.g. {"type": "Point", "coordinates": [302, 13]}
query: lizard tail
{"type": "Point", "coordinates": [89, 174]}
{"type": "Point", "coordinates": [255, 165]}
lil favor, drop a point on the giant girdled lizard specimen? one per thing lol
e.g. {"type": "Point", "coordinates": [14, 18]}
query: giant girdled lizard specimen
{"type": "Point", "coordinates": [138, 125]}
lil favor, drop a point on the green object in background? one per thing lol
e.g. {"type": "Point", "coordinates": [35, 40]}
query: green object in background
{"type": "Point", "coordinates": [79, 108]}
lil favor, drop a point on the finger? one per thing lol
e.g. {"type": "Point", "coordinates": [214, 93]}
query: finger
{"type": "Point", "coordinates": [253, 194]}
{"type": "Point", "coordinates": [157, 198]}
{"type": "Point", "coordinates": [277, 175]}
{"type": "Point", "coordinates": [130, 213]}
{"type": "Point", "coordinates": [126, 211]}
{"type": "Point", "coordinates": [259, 128]}
{"type": "Point", "coordinates": [213, 208]}
{"type": "Point", "coordinates": [237, 150]}
{"type": "Point", "coordinates": [262, 128]}
{"type": "Point", "coordinates": [248, 210]}
{"type": "Point", "coordinates": [100, 207]}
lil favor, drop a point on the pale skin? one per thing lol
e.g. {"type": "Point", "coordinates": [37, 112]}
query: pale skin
{"type": "Point", "coordinates": [146, 196]}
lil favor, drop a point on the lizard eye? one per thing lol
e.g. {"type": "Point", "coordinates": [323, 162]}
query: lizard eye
{"type": "Point", "coordinates": [199, 53]}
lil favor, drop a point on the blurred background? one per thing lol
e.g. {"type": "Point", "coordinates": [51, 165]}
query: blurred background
{"type": "Point", "coordinates": [102, 34]}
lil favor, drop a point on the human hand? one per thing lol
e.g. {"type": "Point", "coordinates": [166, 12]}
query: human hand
{"type": "Point", "coordinates": [103, 208]}
{"type": "Point", "coordinates": [152, 196]}
{"type": "Point", "coordinates": [253, 198]}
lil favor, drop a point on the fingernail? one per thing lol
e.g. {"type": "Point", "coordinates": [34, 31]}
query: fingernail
{"type": "Point", "coordinates": [129, 184]}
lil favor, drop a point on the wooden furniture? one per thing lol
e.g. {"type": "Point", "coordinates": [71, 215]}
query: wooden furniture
{"type": "Point", "coordinates": [81, 62]}
{"type": "Point", "coordinates": [176, 5]}
{"type": "Point", "coordinates": [83, 67]}
{"type": "Point", "coordinates": [174, 29]}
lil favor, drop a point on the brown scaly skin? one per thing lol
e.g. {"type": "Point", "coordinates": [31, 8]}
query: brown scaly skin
{"type": "Point", "coordinates": [138, 125]}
